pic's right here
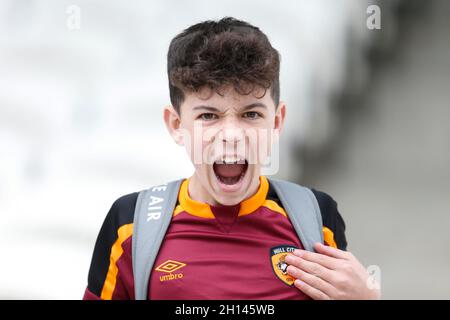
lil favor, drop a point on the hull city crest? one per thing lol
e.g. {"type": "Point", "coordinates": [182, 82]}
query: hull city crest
{"type": "Point", "coordinates": [279, 266]}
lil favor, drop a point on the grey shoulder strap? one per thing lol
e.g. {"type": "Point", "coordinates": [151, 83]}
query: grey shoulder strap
{"type": "Point", "coordinates": [303, 210]}
{"type": "Point", "coordinates": [152, 216]}
{"type": "Point", "coordinates": [153, 213]}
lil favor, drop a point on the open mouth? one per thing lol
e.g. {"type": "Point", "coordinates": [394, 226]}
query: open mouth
{"type": "Point", "coordinates": [230, 172]}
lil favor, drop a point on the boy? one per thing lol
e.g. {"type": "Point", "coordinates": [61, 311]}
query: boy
{"type": "Point", "coordinates": [228, 221]}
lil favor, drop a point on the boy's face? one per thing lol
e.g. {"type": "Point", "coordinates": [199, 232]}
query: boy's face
{"type": "Point", "coordinates": [228, 138]}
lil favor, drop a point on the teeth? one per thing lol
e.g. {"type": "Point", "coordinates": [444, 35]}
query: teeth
{"type": "Point", "coordinates": [231, 161]}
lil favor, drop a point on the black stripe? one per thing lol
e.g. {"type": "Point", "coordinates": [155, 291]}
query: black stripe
{"type": "Point", "coordinates": [331, 218]}
{"type": "Point", "coordinates": [121, 213]}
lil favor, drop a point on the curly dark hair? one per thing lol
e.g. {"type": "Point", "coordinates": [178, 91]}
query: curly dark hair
{"type": "Point", "coordinates": [214, 54]}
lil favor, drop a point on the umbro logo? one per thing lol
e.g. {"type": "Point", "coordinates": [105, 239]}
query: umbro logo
{"type": "Point", "coordinates": [169, 267]}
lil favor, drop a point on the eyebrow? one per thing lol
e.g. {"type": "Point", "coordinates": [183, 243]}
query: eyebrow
{"type": "Point", "coordinates": [247, 107]}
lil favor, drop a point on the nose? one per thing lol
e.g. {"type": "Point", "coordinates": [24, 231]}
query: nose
{"type": "Point", "coordinates": [231, 131]}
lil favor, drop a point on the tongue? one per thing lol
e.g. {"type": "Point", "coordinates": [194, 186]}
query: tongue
{"type": "Point", "coordinates": [229, 170]}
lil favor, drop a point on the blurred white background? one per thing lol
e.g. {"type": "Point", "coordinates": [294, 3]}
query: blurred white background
{"type": "Point", "coordinates": [81, 124]}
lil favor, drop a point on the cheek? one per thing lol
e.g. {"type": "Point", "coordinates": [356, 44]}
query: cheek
{"type": "Point", "coordinates": [270, 141]}
{"type": "Point", "coordinates": [260, 143]}
{"type": "Point", "coordinates": [190, 144]}
{"type": "Point", "coordinates": [199, 147]}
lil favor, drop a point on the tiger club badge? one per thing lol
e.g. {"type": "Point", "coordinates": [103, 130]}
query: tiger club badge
{"type": "Point", "coordinates": [279, 266]}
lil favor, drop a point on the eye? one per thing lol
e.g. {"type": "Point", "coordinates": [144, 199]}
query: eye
{"type": "Point", "coordinates": [252, 115]}
{"type": "Point", "coordinates": [207, 116]}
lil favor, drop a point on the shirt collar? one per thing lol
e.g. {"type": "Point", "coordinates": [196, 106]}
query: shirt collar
{"type": "Point", "coordinates": [203, 210]}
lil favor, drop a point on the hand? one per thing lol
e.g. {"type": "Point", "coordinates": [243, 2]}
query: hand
{"type": "Point", "coordinates": [331, 274]}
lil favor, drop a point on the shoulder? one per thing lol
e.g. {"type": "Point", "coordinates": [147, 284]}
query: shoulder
{"type": "Point", "coordinates": [120, 214]}
{"type": "Point", "coordinates": [122, 209]}
{"type": "Point", "coordinates": [331, 217]}
{"type": "Point", "coordinates": [328, 206]}
{"type": "Point", "coordinates": [117, 224]}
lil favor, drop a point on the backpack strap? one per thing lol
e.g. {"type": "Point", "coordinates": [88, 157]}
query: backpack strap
{"type": "Point", "coordinates": [152, 216]}
{"type": "Point", "coordinates": [303, 210]}
{"type": "Point", "coordinates": [154, 209]}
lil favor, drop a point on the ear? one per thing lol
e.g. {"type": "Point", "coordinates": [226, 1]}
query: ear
{"type": "Point", "coordinates": [173, 123]}
{"type": "Point", "coordinates": [280, 115]}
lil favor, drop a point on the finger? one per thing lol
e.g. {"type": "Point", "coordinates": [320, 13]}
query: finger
{"type": "Point", "coordinates": [311, 280]}
{"type": "Point", "coordinates": [332, 252]}
{"type": "Point", "coordinates": [323, 260]}
{"type": "Point", "coordinates": [310, 267]}
{"type": "Point", "coordinates": [310, 291]}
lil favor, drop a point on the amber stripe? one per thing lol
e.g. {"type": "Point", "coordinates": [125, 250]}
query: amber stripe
{"type": "Point", "coordinates": [124, 233]}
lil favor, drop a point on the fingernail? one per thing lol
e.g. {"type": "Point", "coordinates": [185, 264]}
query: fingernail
{"type": "Point", "coordinates": [298, 282]}
{"type": "Point", "coordinates": [298, 252]}
{"type": "Point", "coordinates": [289, 269]}
{"type": "Point", "coordinates": [288, 258]}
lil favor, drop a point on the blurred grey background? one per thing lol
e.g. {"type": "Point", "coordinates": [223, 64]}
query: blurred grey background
{"type": "Point", "coordinates": [83, 84]}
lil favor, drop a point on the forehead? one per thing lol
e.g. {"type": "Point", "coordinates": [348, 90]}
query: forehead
{"type": "Point", "coordinates": [228, 98]}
